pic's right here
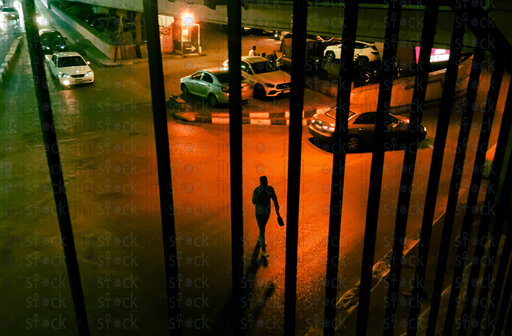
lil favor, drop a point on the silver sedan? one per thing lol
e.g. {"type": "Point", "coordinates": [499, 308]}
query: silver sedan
{"type": "Point", "coordinates": [213, 84]}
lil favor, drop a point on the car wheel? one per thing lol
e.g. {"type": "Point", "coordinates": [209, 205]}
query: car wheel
{"type": "Point", "coordinates": [259, 92]}
{"type": "Point", "coordinates": [213, 100]}
{"type": "Point", "coordinates": [330, 57]}
{"type": "Point", "coordinates": [353, 144]}
{"type": "Point", "coordinates": [184, 89]}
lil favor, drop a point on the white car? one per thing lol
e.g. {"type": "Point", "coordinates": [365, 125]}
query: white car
{"type": "Point", "coordinates": [361, 49]}
{"type": "Point", "coordinates": [70, 68]}
{"type": "Point", "coordinates": [270, 80]}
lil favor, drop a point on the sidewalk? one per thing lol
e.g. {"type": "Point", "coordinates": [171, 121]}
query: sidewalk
{"type": "Point", "coordinates": [347, 306]}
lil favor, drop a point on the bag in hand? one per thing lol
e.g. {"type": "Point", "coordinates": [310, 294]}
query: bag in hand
{"type": "Point", "coordinates": [280, 220]}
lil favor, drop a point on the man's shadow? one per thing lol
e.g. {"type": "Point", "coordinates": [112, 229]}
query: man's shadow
{"type": "Point", "coordinates": [225, 322]}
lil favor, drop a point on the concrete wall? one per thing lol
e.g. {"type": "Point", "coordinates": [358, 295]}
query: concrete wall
{"type": "Point", "coordinates": [365, 98]}
{"type": "Point", "coordinates": [324, 18]}
{"type": "Point", "coordinates": [107, 49]}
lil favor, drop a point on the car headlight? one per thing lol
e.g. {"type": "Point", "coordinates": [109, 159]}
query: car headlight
{"type": "Point", "coordinates": [62, 47]}
{"type": "Point", "coordinates": [65, 75]}
{"type": "Point", "coordinates": [269, 85]}
{"type": "Point", "coordinates": [89, 73]}
{"type": "Point", "coordinates": [424, 129]}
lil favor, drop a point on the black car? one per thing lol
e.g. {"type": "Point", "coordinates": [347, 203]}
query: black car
{"type": "Point", "coordinates": [361, 129]}
{"type": "Point", "coordinates": [52, 41]}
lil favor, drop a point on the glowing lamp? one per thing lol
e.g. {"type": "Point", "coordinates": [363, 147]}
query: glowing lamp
{"type": "Point", "coordinates": [187, 19]}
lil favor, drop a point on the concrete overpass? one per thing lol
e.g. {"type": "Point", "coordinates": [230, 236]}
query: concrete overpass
{"type": "Point", "coordinates": [324, 17]}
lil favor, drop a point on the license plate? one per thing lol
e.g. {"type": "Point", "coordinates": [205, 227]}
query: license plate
{"type": "Point", "coordinates": [78, 81]}
{"type": "Point", "coordinates": [286, 91]}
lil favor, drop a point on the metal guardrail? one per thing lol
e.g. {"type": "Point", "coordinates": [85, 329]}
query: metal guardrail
{"type": "Point", "coordinates": [500, 50]}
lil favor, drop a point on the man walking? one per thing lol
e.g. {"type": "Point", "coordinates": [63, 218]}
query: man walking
{"type": "Point", "coordinates": [261, 199]}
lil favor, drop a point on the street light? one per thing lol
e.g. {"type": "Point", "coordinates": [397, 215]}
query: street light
{"type": "Point", "coordinates": [187, 19]}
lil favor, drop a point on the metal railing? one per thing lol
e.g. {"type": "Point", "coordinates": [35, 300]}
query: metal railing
{"type": "Point", "coordinates": [503, 286]}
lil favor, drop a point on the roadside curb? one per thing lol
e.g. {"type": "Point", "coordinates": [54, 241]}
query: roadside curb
{"type": "Point", "coordinates": [9, 58]}
{"type": "Point", "coordinates": [254, 118]}
{"type": "Point", "coordinates": [105, 62]}
{"type": "Point", "coordinates": [348, 303]}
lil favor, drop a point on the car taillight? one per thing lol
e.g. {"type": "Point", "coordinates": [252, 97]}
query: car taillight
{"type": "Point", "coordinates": [225, 89]}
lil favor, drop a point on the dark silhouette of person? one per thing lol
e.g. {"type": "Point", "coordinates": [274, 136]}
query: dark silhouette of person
{"type": "Point", "coordinates": [261, 199]}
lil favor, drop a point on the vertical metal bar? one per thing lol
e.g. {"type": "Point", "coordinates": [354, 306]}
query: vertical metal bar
{"type": "Point", "coordinates": [467, 117]}
{"type": "Point", "coordinates": [55, 166]}
{"type": "Point", "coordinates": [338, 164]}
{"type": "Point", "coordinates": [163, 159]}
{"type": "Point", "coordinates": [508, 325]}
{"type": "Point", "coordinates": [453, 193]}
{"type": "Point", "coordinates": [504, 304]}
{"type": "Point", "coordinates": [377, 166]}
{"type": "Point", "coordinates": [490, 203]}
{"type": "Point", "coordinates": [492, 99]}
{"type": "Point", "coordinates": [235, 155]}
{"type": "Point", "coordinates": [300, 15]}
{"type": "Point", "coordinates": [433, 181]}
{"type": "Point", "coordinates": [501, 215]}
{"type": "Point", "coordinates": [416, 116]}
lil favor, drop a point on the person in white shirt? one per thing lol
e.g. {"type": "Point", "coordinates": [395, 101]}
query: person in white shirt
{"type": "Point", "coordinates": [252, 52]}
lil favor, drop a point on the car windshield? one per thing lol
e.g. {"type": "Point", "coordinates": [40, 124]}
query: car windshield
{"type": "Point", "coordinates": [9, 10]}
{"type": "Point", "coordinates": [223, 77]}
{"type": "Point", "coordinates": [70, 61]}
{"type": "Point", "coordinates": [332, 113]}
{"type": "Point", "coordinates": [264, 67]}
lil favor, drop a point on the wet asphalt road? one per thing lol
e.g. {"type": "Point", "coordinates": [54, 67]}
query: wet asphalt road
{"type": "Point", "coordinates": [106, 141]}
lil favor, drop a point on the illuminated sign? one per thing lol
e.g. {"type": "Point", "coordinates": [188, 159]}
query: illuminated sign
{"type": "Point", "coordinates": [437, 55]}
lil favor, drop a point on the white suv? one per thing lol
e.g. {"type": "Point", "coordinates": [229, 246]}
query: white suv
{"type": "Point", "coordinates": [270, 80]}
{"type": "Point", "coordinates": [362, 49]}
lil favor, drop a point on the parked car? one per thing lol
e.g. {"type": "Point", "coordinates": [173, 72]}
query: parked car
{"type": "Point", "coordinates": [270, 80]}
{"type": "Point", "coordinates": [314, 57]}
{"type": "Point", "coordinates": [362, 49]}
{"type": "Point", "coordinates": [52, 41]}
{"type": "Point", "coordinates": [361, 128]}
{"type": "Point", "coordinates": [70, 68]}
{"type": "Point", "coordinates": [10, 13]}
{"type": "Point", "coordinates": [214, 85]}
